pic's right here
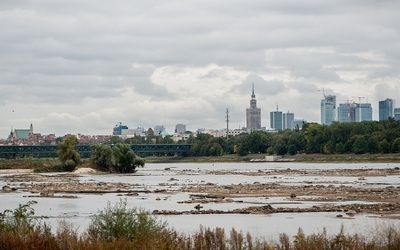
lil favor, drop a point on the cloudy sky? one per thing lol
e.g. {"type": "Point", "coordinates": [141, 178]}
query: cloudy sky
{"type": "Point", "coordinates": [82, 66]}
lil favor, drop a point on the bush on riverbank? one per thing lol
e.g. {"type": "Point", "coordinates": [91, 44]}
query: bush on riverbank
{"type": "Point", "coordinates": [119, 227]}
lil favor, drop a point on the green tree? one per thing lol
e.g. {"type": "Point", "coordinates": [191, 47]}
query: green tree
{"type": "Point", "coordinates": [241, 144]}
{"type": "Point", "coordinates": [360, 145]}
{"type": "Point", "coordinates": [102, 156]}
{"type": "Point", "coordinates": [396, 145]}
{"type": "Point", "coordinates": [292, 150]}
{"type": "Point", "coordinates": [67, 150]}
{"type": "Point", "coordinates": [384, 146]}
{"type": "Point", "coordinates": [340, 148]}
{"type": "Point", "coordinates": [373, 142]}
{"type": "Point", "coordinates": [126, 160]}
{"type": "Point", "coordinates": [280, 148]}
{"type": "Point", "coordinates": [257, 142]}
{"type": "Point", "coordinates": [216, 150]}
{"type": "Point", "coordinates": [314, 137]}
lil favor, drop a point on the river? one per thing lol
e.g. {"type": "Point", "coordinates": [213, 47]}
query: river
{"type": "Point", "coordinates": [172, 177]}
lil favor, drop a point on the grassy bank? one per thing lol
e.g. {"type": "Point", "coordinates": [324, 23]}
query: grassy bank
{"type": "Point", "coordinates": [295, 158]}
{"type": "Point", "coordinates": [40, 165]}
{"type": "Point", "coordinates": [119, 227]}
{"type": "Point", "coordinates": [346, 158]}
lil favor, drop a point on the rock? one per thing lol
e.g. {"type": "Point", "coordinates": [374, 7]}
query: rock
{"type": "Point", "coordinates": [351, 212]}
{"type": "Point", "coordinates": [198, 207]}
{"type": "Point", "coordinates": [6, 188]}
{"type": "Point", "coordinates": [361, 178]}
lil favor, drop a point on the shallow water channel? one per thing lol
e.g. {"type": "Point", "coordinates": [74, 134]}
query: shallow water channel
{"type": "Point", "coordinates": [171, 177]}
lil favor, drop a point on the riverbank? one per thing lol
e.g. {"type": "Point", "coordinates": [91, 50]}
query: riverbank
{"type": "Point", "coordinates": [287, 158]}
{"type": "Point", "coordinates": [53, 164]}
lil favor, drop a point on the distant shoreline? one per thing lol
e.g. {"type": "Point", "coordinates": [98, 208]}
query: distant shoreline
{"type": "Point", "coordinates": [28, 165]}
{"type": "Point", "coordinates": [287, 158]}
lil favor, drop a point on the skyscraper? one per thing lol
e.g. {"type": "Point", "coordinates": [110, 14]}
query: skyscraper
{"type": "Point", "coordinates": [346, 112]}
{"type": "Point", "coordinates": [397, 114]}
{"type": "Point", "coordinates": [386, 109]}
{"type": "Point", "coordinates": [328, 107]}
{"type": "Point", "coordinates": [180, 128]}
{"type": "Point", "coordinates": [363, 112]}
{"type": "Point", "coordinates": [276, 119]}
{"type": "Point", "coordinates": [288, 120]}
{"type": "Point", "coordinates": [158, 130]}
{"type": "Point", "coordinates": [253, 114]}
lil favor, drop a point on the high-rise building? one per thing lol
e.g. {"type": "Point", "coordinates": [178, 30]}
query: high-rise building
{"type": "Point", "coordinates": [276, 120]}
{"type": "Point", "coordinates": [346, 112]}
{"type": "Point", "coordinates": [386, 109]}
{"type": "Point", "coordinates": [397, 114]}
{"type": "Point", "coordinates": [117, 130]}
{"type": "Point", "coordinates": [253, 114]}
{"type": "Point", "coordinates": [363, 112]}
{"type": "Point", "coordinates": [180, 128]}
{"type": "Point", "coordinates": [287, 120]}
{"type": "Point", "coordinates": [328, 108]}
{"type": "Point", "coordinates": [158, 130]}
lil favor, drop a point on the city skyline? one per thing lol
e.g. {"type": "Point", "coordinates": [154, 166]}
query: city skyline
{"type": "Point", "coordinates": [340, 112]}
{"type": "Point", "coordinates": [79, 67]}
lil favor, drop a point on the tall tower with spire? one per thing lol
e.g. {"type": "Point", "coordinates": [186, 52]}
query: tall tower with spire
{"type": "Point", "coordinates": [253, 114]}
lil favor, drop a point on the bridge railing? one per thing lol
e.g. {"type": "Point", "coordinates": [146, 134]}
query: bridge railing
{"type": "Point", "coordinates": [85, 150]}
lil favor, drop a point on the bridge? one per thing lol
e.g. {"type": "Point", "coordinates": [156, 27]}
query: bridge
{"type": "Point", "coordinates": [12, 152]}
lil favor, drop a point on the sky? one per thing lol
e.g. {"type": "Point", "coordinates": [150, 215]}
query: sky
{"type": "Point", "coordinates": [83, 66]}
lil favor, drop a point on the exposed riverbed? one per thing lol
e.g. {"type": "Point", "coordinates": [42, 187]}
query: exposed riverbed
{"type": "Point", "coordinates": [262, 198]}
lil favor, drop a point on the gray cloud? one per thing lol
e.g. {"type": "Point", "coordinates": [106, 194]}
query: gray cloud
{"type": "Point", "coordinates": [85, 65]}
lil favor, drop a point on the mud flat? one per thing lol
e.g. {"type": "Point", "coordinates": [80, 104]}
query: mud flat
{"type": "Point", "coordinates": [353, 191]}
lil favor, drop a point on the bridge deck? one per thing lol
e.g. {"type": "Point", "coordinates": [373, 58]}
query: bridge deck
{"type": "Point", "coordinates": [85, 150]}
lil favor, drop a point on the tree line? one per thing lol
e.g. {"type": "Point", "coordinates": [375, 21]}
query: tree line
{"type": "Point", "coordinates": [339, 138]}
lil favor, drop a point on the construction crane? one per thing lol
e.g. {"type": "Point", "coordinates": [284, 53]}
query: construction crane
{"type": "Point", "coordinates": [359, 98]}
{"type": "Point", "coordinates": [359, 106]}
{"type": "Point", "coordinates": [323, 91]}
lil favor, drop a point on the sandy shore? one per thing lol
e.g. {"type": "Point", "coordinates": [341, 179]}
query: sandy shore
{"type": "Point", "coordinates": [13, 171]}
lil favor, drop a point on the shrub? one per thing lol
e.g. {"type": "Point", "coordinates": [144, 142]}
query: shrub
{"type": "Point", "coordinates": [118, 222]}
{"type": "Point", "coordinates": [120, 158]}
{"type": "Point", "coordinates": [22, 220]}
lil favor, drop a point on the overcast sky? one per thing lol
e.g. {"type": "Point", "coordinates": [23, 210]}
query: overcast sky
{"type": "Point", "coordinates": [82, 66]}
